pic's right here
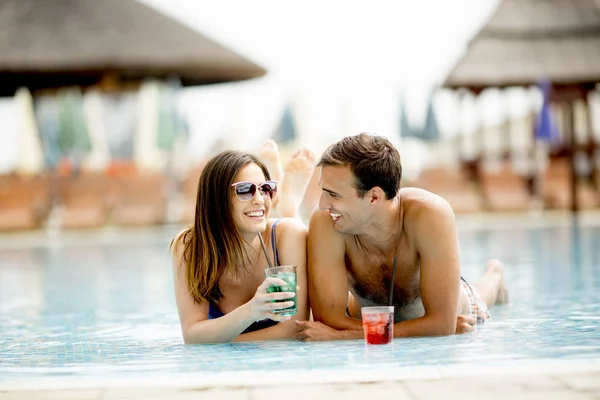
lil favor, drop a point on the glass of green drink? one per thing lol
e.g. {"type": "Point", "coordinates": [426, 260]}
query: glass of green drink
{"type": "Point", "coordinates": [286, 273]}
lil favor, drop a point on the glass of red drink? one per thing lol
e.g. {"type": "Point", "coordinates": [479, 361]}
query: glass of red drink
{"type": "Point", "coordinates": [378, 324]}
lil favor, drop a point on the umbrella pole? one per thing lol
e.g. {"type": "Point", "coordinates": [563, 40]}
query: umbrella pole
{"type": "Point", "coordinates": [506, 129]}
{"type": "Point", "coordinates": [591, 140]}
{"type": "Point", "coordinates": [461, 134]}
{"type": "Point", "coordinates": [570, 124]}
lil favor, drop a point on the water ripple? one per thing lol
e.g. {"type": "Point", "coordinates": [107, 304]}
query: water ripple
{"type": "Point", "coordinates": [117, 317]}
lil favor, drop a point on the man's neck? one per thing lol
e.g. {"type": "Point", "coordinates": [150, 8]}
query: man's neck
{"type": "Point", "coordinates": [384, 231]}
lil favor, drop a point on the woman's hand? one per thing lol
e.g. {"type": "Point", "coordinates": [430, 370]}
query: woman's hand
{"type": "Point", "coordinates": [260, 305]}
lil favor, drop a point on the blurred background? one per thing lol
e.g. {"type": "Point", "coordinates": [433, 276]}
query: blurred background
{"type": "Point", "coordinates": [110, 108]}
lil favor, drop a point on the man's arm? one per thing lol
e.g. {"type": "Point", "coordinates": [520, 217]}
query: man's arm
{"type": "Point", "coordinates": [327, 279]}
{"type": "Point", "coordinates": [433, 227]}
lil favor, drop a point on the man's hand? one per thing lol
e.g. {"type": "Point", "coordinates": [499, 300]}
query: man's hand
{"type": "Point", "coordinates": [465, 324]}
{"type": "Point", "coordinates": [314, 331]}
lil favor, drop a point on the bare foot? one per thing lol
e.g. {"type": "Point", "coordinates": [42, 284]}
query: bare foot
{"type": "Point", "coordinates": [269, 154]}
{"type": "Point", "coordinates": [297, 172]}
{"type": "Point", "coordinates": [496, 267]}
{"type": "Point", "coordinates": [312, 195]}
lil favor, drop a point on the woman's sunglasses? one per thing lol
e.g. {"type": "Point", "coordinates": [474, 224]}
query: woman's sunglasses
{"type": "Point", "coordinates": [246, 190]}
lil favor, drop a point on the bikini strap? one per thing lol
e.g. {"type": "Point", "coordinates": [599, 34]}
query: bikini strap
{"type": "Point", "coordinates": [274, 242]}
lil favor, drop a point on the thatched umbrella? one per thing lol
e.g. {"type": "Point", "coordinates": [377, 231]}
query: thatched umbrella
{"type": "Point", "coordinates": [527, 40]}
{"type": "Point", "coordinates": [55, 43]}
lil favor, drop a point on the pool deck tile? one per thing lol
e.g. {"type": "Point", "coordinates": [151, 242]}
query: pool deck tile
{"type": "Point", "coordinates": [352, 391]}
{"type": "Point", "coordinates": [589, 382]}
{"type": "Point", "coordinates": [92, 394]}
{"type": "Point", "coordinates": [577, 386]}
{"type": "Point", "coordinates": [175, 393]}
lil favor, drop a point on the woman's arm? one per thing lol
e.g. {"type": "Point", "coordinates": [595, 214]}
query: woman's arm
{"type": "Point", "coordinates": [195, 325]}
{"type": "Point", "coordinates": [291, 246]}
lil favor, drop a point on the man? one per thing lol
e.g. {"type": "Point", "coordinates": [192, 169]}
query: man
{"type": "Point", "coordinates": [364, 223]}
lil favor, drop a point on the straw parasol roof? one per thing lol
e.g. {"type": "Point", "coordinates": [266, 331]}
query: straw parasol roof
{"type": "Point", "coordinates": [526, 40]}
{"type": "Point", "coordinates": [53, 43]}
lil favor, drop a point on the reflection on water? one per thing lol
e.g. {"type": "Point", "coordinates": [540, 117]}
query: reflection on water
{"type": "Point", "coordinates": [82, 310]}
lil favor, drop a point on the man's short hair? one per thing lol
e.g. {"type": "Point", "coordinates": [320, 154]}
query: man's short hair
{"type": "Point", "coordinates": [373, 160]}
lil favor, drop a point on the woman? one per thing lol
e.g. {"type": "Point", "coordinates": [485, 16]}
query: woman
{"type": "Point", "coordinates": [219, 263]}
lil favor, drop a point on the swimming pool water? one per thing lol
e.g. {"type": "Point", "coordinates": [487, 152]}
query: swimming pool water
{"type": "Point", "coordinates": [89, 309]}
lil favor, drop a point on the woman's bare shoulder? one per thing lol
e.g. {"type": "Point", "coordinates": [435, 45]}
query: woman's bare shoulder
{"type": "Point", "coordinates": [291, 226]}
{"type": "Point", "coordinates": [179, 241]}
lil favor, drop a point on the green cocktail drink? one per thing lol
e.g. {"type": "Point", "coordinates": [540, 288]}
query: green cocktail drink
{"type": "Point", "coordinates": [286, 273]}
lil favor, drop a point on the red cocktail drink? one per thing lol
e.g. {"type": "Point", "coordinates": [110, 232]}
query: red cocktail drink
{"type": "Point", "coordinates": [378, 324]}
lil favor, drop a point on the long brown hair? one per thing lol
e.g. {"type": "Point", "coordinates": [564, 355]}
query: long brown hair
{"type": "Point", "coordinates": [213, 244]}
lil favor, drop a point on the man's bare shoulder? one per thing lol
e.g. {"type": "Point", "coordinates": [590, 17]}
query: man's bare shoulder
{"type": "Point", "coordinates": [320, 219]}
{"type": "Point", "coordinates": [322, 228]}
{"type": "Point", "coordinates": [420, 205]}
{"type": "Point", "coordinates": [326, 247]}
